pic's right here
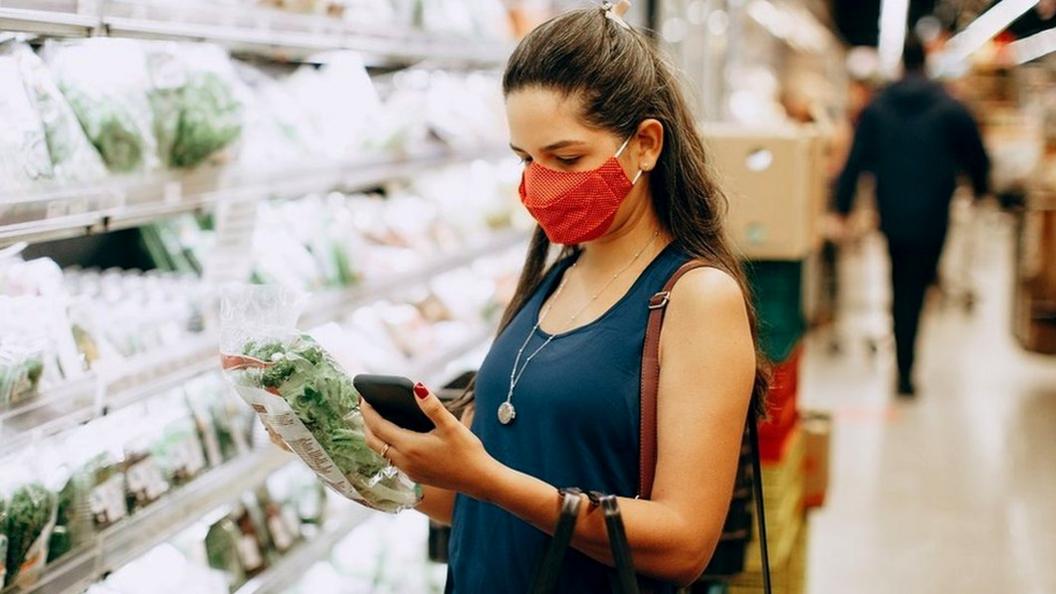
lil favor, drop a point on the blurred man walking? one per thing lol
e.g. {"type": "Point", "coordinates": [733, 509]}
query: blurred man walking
{"type": "Point", "coordinates": [915, 139]}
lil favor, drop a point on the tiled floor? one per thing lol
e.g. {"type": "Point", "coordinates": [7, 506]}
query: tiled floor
{"type": "Point", "coordinates": [956, 491]}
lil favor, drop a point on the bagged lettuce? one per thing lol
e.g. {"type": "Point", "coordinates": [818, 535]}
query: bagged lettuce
{"type": "Point", "coordinates": [194, 101]}
{"type": "Point", "coordinates": [106, 81]}
{"type": "Point", "coordinates": [73, 158]}
{"type": "Point", "coordinates": [28, 522]}
{"type": "Point", "coordinates": [304, 397]}
{"type": "Point", "coordinates": [24, 159]}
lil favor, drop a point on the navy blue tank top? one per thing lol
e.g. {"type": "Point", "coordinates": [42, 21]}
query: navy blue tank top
{"type": "Point", "coordinates": [577, 426]}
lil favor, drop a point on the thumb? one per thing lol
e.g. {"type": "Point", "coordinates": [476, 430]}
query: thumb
{"type": "Point", "coordinates": [432, 407]}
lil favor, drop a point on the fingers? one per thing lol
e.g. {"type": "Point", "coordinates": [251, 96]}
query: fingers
{"type": "Point", "coordinates": [432, 407]}
{"type": "Point", "coordinates": [383, 429]}
{"type": "Point", "coordinates": [372, 441]}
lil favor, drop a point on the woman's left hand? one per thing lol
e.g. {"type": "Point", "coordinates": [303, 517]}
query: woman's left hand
{"type": "Point", "coordinates": [448, 457]}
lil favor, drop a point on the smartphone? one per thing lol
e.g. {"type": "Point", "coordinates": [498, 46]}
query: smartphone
{"type": "Point", "coordinates": [393, 397]}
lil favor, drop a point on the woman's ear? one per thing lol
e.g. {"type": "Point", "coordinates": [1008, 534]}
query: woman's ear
{"type": "Point", "coordinates": [650, 137]}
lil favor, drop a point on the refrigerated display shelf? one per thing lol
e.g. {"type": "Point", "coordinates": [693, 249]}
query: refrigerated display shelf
{"type": "Point", "coordinates": [291, 567]}
{"type": "Point", "coordinates": [132, 537]}
{"type": "Point", "coordinates": [69, 212]}
{"type": "Point", "coordinates": [322, 306]}
{"type": "Point", "coordinates": [273, 33]}
{"type": "Point", "coordinates": [67, 405]}
{"type": "Point", "coordinates": [54, 22]}
{"type": "Point", "coordinates": [81, 400]}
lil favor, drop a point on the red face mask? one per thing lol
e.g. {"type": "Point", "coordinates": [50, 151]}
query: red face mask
{"type": "Point", "coordinates": [576, 206]}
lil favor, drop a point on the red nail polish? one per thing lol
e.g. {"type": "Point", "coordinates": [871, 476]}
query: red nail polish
{"type": "Point", "coordinates": [421, 391]}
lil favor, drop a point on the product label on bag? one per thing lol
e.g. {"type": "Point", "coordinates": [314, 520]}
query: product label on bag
{"type": "Point", "coordinates": [279, 416]}
{"type": "Point", "coordinates": [279, 533]}
{"type": "Point", "coordinates": [145, 480]}
{"type": "Point", "coordinates": [189, 457]}
{"type": "Point", "coordinates": [107, 501]}
{"type": "Point", "coordinates": [249, 552]}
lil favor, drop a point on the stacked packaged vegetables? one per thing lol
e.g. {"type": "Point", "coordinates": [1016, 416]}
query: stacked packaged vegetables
{"type": "Point", "coordinates": [93, 477]}
{"type": "Point", "coordinates": [103, 106]}
{"type": "Point", "coordinates": [243, 539]}
{"type": "Point", "coordinates": [37, 346]}
{"type": "Point", "coordinates": [340, 240]}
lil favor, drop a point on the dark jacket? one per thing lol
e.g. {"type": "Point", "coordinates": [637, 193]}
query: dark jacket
{"type": "Point", "coordinates": [915, 139]}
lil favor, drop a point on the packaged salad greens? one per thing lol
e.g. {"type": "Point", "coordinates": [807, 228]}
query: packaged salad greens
{"type": "Point", "coordinates": [73, 158]}
{"type": "Point", "coordinates": [62, 472]}
{"type": "Point", "coordinates": [222, 551]}
{"type": "Point", "coordinates": [303, 396]}
{"type": "Point", "coordinates": [194, 101]}
{"type": "Point", "coordinates": [28, 522]}
{"type": "Point", "coordinates": [24, 159]}
{"type": "Point", "coordinates": [106, 82]}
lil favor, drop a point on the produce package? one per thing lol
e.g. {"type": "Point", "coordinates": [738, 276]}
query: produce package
{"type": "Point", "coordinates": [304, 397]}
{"type": "Point", "coordinates": [222, 549]}
{"type": "Point", "coordinates": [106, 82]}
{"type": "Point", "coordinates": [62, 471]}
{"type": "Point", "coordinates": [24, 156]}
{"type": "Point", "coordinates": [194, 101]}
{"type": "Point", "coordinates": [73, 158]}
{"type": "Point", "coordinates": [28, 522]}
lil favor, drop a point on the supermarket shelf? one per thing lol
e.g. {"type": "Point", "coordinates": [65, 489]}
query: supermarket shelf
{"type": "Point", "coordinates": [288, 570]}
{"type": "Point", "coordinates": [70, 212]}
{"type": "Point", "coordinates": [273, 33]}
{"type": "Point", "coordinates": [323, 306]}
{"type": "Point", "coordinates": [58, 23]}
{"type": "Point", "coordinates": [53, 410]}
{"type": "Point", "coordinates": [81, 400]}
{"type": "Point", "coordinates": [134, 536]}
{"type": "Point", "coordinates": [77, 402]}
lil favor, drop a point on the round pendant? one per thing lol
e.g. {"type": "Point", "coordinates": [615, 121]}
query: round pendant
{"type": "Point", "coordinates": [507, 413]}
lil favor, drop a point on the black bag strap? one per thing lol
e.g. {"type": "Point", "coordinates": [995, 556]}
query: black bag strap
{"type": "Point", "coordinates": [550, 569]}
{"type": "Point", "coordinates": [760, 507]}
{"type": "Point", "coordinates": [624, 579]}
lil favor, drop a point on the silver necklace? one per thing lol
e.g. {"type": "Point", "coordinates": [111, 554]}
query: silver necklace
{"type": "Point", "coordinates": [507, 413]}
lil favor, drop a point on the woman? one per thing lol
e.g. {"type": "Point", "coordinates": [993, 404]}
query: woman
{"type": "Point", "coordinates": [614, 171]}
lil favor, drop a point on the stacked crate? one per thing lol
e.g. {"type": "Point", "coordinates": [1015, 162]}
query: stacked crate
{"type": "Point", "coordinates": [783, 482]}
{"type": "Point", "coordinates": [775, 183]}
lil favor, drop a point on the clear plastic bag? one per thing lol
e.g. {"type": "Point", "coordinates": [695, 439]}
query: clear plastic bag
{"type": "Point", "coordinates": [303, 396]}
{"type": "Point", "coordinates": [194, 101]}
{"type": "Point", "coordinates": [106, 82]}
{"type": "Point", "coordinates": [24, 159]}
{"type": "Point", "coordinates": [73, 158]}
{"type": "Point", "coordinates": [29, 520]}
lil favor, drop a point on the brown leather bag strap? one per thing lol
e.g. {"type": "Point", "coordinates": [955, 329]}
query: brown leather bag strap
{"type": "Point", "coordinates": [651, 379]}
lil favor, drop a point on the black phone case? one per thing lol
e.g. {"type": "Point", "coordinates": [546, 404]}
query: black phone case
{"type": "Point", "coordinates": [393, 397]}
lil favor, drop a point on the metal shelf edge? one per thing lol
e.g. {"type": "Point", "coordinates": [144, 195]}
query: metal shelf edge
{"type": "Point", "coordinates": [169, 193]}
{"type": "Point", "coordinates": [293, 565]}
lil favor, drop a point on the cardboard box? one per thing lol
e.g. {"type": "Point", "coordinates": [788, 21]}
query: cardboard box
{"type": "Point", "coordinates": [1034, 309]}
{"type": "Point", "coordinates": [775, 182]}
{"type": "Point", "coordinates": [817, 435]}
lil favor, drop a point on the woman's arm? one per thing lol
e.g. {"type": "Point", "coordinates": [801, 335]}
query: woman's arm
{"type": "Point", "coordinates": [707, 371]}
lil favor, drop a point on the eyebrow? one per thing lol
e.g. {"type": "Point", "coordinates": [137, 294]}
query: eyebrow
{"type": "Point", "coordinates": [552, 147]}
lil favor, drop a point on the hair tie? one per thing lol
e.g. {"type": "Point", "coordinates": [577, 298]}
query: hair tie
{"type": "Point", "coordinates": [614, 11]}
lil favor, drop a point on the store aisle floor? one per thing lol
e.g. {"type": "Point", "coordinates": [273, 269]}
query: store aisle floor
{"type": "Point", "coordinates": [953, 492]}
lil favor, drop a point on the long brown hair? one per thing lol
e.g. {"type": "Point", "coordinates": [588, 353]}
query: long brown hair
{"type": "Point", "coordinates": [622, 80]}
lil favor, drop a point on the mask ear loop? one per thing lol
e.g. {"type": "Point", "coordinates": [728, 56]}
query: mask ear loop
{"type": "Point", "coordinates": [620, 152]}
